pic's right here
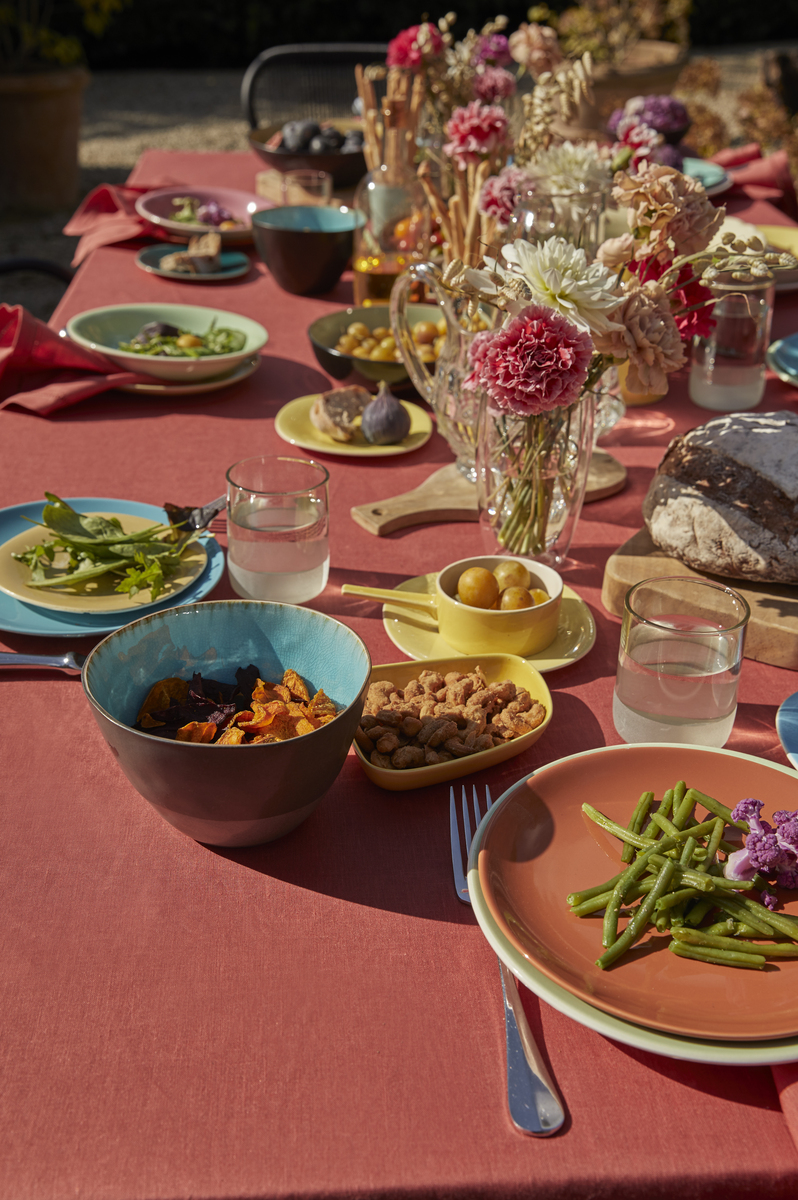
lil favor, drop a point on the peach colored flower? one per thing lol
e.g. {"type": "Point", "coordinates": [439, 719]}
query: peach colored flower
{"type": "Point", "coordinates": [669, 213]}
{"type": "Point", "coordinates": [648, 338]}
{"type": "Point", "coordinates": [536, 47]}
{"type": "Point", "coordinates": [616, 251]}
{"type": "Point", "coordinates": [475, 132]}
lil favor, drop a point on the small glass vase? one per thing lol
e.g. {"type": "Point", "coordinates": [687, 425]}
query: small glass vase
{"type": "Point", "coordinates": [531, 478]}
{"type": "Point", "coordinates": [577, 216]}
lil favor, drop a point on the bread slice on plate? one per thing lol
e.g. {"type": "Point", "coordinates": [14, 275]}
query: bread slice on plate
{"type": "Point", "coordinates": [335, 413]}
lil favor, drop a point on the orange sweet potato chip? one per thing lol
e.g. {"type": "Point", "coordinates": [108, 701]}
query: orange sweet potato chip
{"type": "Point", "coordinates": [160, 695]}
{"type": "Point", "coordinates": [296, 685]}
{"type": "Point", "coordinates": [231, 737]}
{"type": "Point", "coordinates": [196, 731]}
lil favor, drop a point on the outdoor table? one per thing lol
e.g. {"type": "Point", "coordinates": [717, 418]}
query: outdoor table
{"type": "Point", "coordinates": [318, 1016]}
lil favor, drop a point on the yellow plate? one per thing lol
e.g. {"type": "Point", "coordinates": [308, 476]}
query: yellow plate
{"type": "Point", "coordinates": [496, 667]}
{"type": "Point", "coordinates": [95, 595]}
{"type": "Point", "coordinates": [783, 237]}
{"type": "Point", "coordinates": [294, 426]}
{"type": "Point", "coordinates": [416, 632]}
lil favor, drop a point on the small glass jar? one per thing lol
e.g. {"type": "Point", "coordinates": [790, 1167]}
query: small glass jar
{"type": "Point", "coordinates": [395, 232]}
{"type": "Point", "coordinates": [727, 373]}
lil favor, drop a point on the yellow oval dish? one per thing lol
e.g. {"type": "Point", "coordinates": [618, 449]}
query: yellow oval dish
{"type": "Point", "coordinates": [496, 668]}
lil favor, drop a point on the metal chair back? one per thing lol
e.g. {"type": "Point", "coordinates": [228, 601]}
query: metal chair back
{"type": "Point", "coordinates": [314, 81]}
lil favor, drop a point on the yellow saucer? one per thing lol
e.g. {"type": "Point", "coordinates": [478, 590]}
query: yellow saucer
{"type": "Point", "coordinates": [95, 595]}
{"type": "Point", "coordinates": [294, 426]}
{"type": "Point", "coordinates": [415, 632]}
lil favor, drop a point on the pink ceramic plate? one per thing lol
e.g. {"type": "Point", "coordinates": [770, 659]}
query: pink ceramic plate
{"type": "Point", "coordinates": [536, 846]}
{"type": "Point", "coordinates": [157, 207]}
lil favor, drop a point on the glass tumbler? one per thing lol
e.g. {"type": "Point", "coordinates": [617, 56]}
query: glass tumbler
{"type": "Point", "coordinates": [679, 661]}
{"type": "Point", "coordinates": [278, 529]}
{"type": "Point", "coordinates": [306, 187]}
{"type": "Point", "coordinates": [577, 216]}
{"type": "Point", "coordinates": [727, 373]}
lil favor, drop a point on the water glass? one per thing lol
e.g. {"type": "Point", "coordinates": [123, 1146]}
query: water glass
{"type": "Point", "coordinates": [278, 529]}
{"type": "Point", "coordinates": [679, 661]}
{"type": "Point", "coordinates": [306, 187]}
{"type": "Point", "coordinates": [577, 216]}
{"type": "Point", "coordinates": [727, 373]}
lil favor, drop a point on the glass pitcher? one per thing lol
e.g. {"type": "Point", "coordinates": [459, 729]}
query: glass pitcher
{"type": "Point", "coordinates": [456, 409]}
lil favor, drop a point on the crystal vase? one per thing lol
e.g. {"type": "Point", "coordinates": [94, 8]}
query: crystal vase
{"type": "Point", "coordinates": [531, 478]}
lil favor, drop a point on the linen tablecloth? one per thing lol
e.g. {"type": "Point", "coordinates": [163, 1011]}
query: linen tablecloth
{"type": "Point", "coordinates": [318, 1017]}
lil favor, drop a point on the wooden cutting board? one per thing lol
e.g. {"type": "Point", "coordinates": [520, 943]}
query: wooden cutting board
{"type": "Point", "coordinates": [772, 634]}
{"type": "Point", "coordinates": [448, 496]}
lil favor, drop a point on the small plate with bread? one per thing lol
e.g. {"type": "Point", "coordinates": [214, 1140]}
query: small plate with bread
{"type": "Point", "coordinates": [202, 261]}
{"type": "Point", "coordinates": [329, 423]}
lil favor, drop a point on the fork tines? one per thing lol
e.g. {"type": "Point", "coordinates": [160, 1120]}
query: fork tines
{"type": "Point", "coordinates": [460, 849]}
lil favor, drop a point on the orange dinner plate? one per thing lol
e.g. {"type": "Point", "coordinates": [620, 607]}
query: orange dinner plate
{"type": "Point", "coordinates": [536, 846]}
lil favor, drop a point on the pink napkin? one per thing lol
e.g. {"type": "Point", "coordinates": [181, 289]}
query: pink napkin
{"type": "Point", "coordinates": [760, 178]}
{"type": "Point", "coordinates": [41, 372]}
{"type": "Point", "coordinates": [108, 215]}
{"type": "Point", "coordinates": [785, 1076]}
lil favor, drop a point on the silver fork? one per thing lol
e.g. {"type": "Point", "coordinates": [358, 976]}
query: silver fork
{"type": "Point", "coordinates": [535, 1106]}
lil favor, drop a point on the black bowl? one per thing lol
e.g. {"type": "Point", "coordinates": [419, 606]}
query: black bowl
{"type": "Point", "coordinates": [306, 248]}
{"type": "Point", "coordinates": [346, 169]}
{"type": "Point", "coordinates": [325, 332]}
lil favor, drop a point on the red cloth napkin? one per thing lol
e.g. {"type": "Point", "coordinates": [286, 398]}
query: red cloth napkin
{"type": "Point", "coordinates": [41, 372]}
{"type": "Point", "coordinates": [785, 1076]}
{"type": "Point", "coordinates": [760, 178]}
{"type": "Point", "coordinates": [108, 215]}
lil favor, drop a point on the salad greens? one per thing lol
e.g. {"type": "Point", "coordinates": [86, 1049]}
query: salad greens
{"type": "Point", "coordinates": [99, 546]}
{"type": "Point", "coordinates": [158, 338]}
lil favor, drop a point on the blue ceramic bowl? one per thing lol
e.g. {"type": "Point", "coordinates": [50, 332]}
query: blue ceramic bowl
{"type": "Point", "coordinates": [229, 795]}
{"type": "Point", "coordinates": [305, 247]}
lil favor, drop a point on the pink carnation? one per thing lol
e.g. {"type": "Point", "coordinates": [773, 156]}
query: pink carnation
{"type": "Point", "coordinates": [408, 50]}
{"type": "Point", "coordinates": [500, 193]}
{"type": "Point", "coordinates": [536, 362]}
{"type": "Point", "coordinates": [475, 132]}
{"type": "Point", "coordinates": [493, 83]}
{"type": "Point", "coordinates": [633, 135]}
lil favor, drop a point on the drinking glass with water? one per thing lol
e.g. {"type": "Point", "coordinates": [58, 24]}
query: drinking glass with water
{"type": "Point", "coordinates": [679, 661]}
{"type": "Point", "coordinates": [278, 528]}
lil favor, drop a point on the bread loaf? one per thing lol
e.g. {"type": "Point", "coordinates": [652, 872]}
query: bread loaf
{"type": "Point", "coordinates": [335, 412]}
{"type": "Point", "coordinates": [725, 498]}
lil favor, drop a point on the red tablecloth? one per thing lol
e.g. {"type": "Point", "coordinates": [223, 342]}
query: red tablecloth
{"type": "Point", "coordinates": [317, 1017]}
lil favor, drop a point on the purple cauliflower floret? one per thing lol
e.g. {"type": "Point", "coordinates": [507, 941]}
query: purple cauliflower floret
{"type": "Point", "coordinates": [213, 213]}
{"type": "Point", "coordinates": [769, 900]}
{"type": "Point", "coordinates": [770, 851]}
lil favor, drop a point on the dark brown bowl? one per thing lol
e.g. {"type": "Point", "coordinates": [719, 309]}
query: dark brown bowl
{"type": "Point", "coordinates": [305, 247]}
{"type": "Point", "coordinates": [346, 169]}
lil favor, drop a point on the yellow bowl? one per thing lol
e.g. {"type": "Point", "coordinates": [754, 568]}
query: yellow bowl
{"type": "Point", "coordinates": [496, 668]}
{"type": "Point", "coordinates": [519, 631]}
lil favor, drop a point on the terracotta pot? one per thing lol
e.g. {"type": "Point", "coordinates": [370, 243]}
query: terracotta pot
{"type": "Point", "coordinates": [40, 115]}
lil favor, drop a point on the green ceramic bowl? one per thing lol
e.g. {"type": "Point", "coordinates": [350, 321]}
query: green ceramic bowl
{"type": "Point", "coordinates": [102, 329]}
{"type": "Point", "coordinates": [325, 333]}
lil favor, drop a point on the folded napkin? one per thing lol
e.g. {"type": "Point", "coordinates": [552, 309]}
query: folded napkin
{"type": "Point", "coordinates": [108, 215]}
{"type": "Point", "coordinates": [41, 372]}
{"type": "Point", "coordinates": [760, 178]}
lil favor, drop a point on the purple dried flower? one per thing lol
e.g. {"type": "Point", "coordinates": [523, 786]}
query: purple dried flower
{"type": "Point", "coordinates": [492, 50]}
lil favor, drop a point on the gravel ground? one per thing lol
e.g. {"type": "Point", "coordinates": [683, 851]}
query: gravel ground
{"type": "Point", "coordinates": [127, 112]}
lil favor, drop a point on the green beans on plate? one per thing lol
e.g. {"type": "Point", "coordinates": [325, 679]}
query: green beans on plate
{"type": "Point", "coordinates": [673, 883]}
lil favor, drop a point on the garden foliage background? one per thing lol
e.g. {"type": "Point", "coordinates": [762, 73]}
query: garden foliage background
{"type": "Point", "coordinates": [229, 33]}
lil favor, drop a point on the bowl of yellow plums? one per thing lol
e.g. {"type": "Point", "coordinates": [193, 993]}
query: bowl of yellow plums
{"type": "Point", "coordinates": [356, 345]}
{"type": "Point", "coordinates": [490, 604]}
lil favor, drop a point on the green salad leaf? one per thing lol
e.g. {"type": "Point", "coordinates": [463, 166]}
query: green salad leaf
{"type": "Point", "coordinates": [98, 546]}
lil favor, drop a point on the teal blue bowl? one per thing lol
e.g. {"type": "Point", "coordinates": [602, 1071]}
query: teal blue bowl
{"type": "Point", "coordinates": [103, 329]}
{"type": "Point", "coordinates": [229, 795]}
{"type": "Point", "coordinates": [306, 247]}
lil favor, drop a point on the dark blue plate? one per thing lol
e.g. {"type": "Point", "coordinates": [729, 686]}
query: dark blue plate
{"type": "Point", "coordinates": [234, 264]}
{"type": "Point", "coordinates": [16, 617]}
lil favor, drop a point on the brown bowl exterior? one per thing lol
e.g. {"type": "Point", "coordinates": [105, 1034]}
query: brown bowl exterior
{"type": "Point", "coordinates": [496, 667]}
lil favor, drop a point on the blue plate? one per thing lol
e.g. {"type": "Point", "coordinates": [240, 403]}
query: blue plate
{"type": "Point", "coordinates": [16, 617]}
{"type": "Point", "coordinates": [787, 728]}
{"type": "Point", "coordinates": [785, 353]}
{"type": "Point", "coordinates": [714, 178]}
{"type": "Point", "coordinates": [233, 265]}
